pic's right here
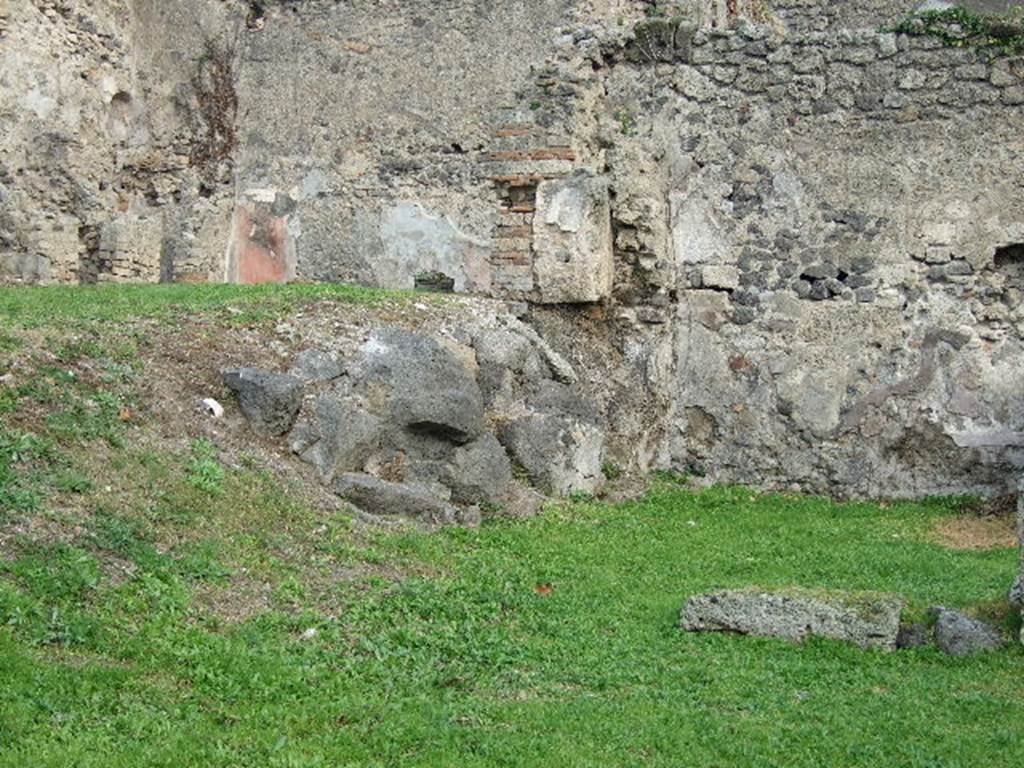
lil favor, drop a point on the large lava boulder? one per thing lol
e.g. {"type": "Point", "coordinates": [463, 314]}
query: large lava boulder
{"type": "Point", "coordinates": [421, 386]}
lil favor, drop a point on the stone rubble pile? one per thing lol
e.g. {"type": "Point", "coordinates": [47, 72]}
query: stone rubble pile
{"type": "Point", "coordinates": [422, 427]}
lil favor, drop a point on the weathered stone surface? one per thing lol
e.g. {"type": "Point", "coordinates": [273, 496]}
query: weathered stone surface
{"type": "Point", "coordinates": [561, 455]}
{"type": "Point", "coordinates": [385, 499]}
{"type": "Point", "coordinates": [419, 385]}
{"type": "Point", "coordinates": [131, 247]}
{"type": "Point", "coordinates": [339, 437]}
{"type": "Point", "coordinates": [506, 358]}
{"type": "Point", "coordinates": [315, 365]}
{"type": "Point", "coordinates": [870, 621]}
{"type": "Point", "coordinates": [960, 635]}
{"type": "Point", "coordinates": [480, 472]}
{"type": "Point", "coordinates": [572, 240]}
{"type": "Point", "coordinates": [551, 397]}
{"type": "Point", "coordinates": [723, 276]}
{"type": "Point", "coordinates": [270, 401]}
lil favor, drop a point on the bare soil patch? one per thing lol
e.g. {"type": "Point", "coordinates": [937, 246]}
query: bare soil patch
{"type": "Point", "coordinates": [971, 532]}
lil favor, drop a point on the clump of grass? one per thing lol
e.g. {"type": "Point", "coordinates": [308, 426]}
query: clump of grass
{"type": "Point", "coordinates": [18, 452]}
{"type": "Point", "coordinates": [204, 470]}
{"type": "Point", "coordinates": [611, 470]}
{"type": "Point", "coordinates": [670, 477]}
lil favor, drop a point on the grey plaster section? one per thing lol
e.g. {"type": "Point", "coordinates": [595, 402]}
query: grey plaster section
{"type": "Point", "coordinates": [417, 242]}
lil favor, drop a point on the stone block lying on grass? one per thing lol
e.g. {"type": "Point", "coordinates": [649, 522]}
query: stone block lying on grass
{"type": "Point", "coordinates": [960, 635]}
{"type": "Point", "coordinates": [868, 620]}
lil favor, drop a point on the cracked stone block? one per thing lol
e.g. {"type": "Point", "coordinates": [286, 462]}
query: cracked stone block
{"type": "Point", "coordinates": [573, 240]}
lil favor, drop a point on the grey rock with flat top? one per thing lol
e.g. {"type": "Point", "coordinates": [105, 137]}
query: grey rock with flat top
{"type": "Point", "coordinates": [270, 401]}
{"type": "Point", "coordinates": [960, 635]}
{"type": "Point", "coordinates": [381, 498]}
{"type": "Point", "coordinates": [867, 620]}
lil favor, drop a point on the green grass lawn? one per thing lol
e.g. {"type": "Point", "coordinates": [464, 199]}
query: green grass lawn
{"type": "Point", "coordinates": [50, 306]}
{"type": "Point", "coordinates": [480, 662]}
{"type": "Point", "coordinates": [162, 606]}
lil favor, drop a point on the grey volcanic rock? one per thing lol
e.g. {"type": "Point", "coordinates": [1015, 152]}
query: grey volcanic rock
{"type": "Point", "coordinates": [561, 455]}
{"type": "Point", "coordinates": [315, 365]}
{"type": "Point", "coordinates": [480, 472]}
{"type": "Point", "coordinates": [338, 438]}
{"type": "Point", "coordinates": [560, 400]}
{"type": "Point", "coordinates": [506, 357]}
{"type": "Point", "coordinates": [385, 499]}
{"type": "Point", "coordinates": [421, 386]}
{"type": "Point", "coordinates": [960, 635]}
{"type": "Point", "coordinates": [270, 401]}
{"type": "Point", "coordinates": [870, 621]}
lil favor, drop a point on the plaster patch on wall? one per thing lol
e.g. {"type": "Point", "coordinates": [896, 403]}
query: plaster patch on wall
{"type": "Point", "coordinates": [418, 241]}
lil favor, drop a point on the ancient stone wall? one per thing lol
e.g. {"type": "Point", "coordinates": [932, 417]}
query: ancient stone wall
{"type": "Point", "coordinates": [836, 219]}
{"type": "Point", "coordinates": [782, 246]}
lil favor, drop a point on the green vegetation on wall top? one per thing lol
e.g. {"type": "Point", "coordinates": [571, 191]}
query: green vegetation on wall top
{"type": "Point", "coordinates": [960, 28]}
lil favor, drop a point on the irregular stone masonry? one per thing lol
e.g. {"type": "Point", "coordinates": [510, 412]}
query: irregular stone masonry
{"type": "Point", "coordinates": [815, 228]}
